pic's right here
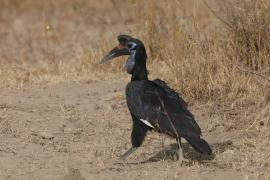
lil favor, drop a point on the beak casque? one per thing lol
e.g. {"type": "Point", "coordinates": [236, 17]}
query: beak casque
{"type": "Point", "coordinates": [119, 50]}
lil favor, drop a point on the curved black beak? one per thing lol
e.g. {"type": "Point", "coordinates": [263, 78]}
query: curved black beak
{"type": "Point", "coordinates": [119, 50]}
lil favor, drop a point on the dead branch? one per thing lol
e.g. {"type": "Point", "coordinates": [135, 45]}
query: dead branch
{"type": "Point", "coordinates": [217, 16]}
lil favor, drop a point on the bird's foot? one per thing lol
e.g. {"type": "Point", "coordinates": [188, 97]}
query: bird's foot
{"type": "Point", "coordinates": [120, 161]}
{"type": "Point", "coordinates": [182, 159]}
{"type": "Point", "coordinates": [122, 158]}
{"type": "Point", "coordinates": [179, 156]}
{"type": "Point", "coordinates": [130, 151]}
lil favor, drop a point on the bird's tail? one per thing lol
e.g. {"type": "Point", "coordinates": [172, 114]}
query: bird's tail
{"type": "Point", "coordinates": [199, 145]}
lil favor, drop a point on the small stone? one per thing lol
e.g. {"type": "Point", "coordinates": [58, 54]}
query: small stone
{"type": "Point", "coordinates": [112, 106]}
{"type": "Point", "coordinates": [228, 153]}
{"type": "Point", "coordinates": [68, 130]}
{"type": "Point", "coordinates": [96, 107]}
{"type": "Point", "coordinates": [46, 135]}
{"type": "Point", "coordinates": [77, 131]}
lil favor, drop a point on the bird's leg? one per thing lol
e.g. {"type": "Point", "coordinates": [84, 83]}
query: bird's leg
{"type": "Point", "coordinates": [130, 151]}
{"type": "Point", "coordinates": [180, 151]}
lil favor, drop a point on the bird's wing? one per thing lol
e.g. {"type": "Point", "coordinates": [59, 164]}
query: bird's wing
{"type": "Point", "coordinates": [171, 93]}
{"type": "Point", "coordinates": [172, 96]}
{"type": "Point", "coordinates": [151, 103]}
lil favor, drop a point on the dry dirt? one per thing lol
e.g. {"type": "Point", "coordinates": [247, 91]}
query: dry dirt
{"type": "Point", "coordinates": [77, 130]}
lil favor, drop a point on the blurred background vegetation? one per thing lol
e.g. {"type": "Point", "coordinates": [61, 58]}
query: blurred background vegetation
{"type": "Point", "coordinates": [210, 51]}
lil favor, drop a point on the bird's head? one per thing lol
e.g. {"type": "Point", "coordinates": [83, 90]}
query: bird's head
{"type": "Point", "coordinates": [128, 46]}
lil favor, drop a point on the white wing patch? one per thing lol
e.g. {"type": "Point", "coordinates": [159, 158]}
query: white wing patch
{"type": "Point", "coordinates": [147, 123]}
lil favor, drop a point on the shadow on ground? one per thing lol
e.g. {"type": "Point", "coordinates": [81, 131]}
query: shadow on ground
{"type": "Point", "coordinates": [169, 153]}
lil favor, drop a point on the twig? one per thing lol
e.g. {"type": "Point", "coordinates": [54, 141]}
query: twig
{"type": "Point", "coordinates": [218, 17]}
{"type": "Point", "coordinates": [251, 72]}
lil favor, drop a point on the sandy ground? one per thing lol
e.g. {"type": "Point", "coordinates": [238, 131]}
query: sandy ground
{"type": "Point", "coordinates": [78, 130]}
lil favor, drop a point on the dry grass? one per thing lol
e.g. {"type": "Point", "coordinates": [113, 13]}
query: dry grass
{"type": "Point", "coordinates": [203, 58]}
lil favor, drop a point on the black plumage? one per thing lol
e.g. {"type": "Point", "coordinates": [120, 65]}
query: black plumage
{"type": "Point", "coordinates": [153, 105]}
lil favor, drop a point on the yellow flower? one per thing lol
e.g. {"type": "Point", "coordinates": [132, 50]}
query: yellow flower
{"type": "Point", "coordinates": [132, 1]}
{"type": "Point", "coordinates": [48, 27]}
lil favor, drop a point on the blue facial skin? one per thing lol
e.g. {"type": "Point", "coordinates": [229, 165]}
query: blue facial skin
{"type": "Point", "coordinates": [130, 62]}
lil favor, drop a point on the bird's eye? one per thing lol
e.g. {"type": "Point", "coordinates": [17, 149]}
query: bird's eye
{"type": "Point", "coordinates": [129, 46]}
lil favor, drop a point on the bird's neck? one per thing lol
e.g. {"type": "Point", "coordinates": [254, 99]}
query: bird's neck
{"type": "Point", "coordinates": [139, 75]}
{"type": "Point", "coordinates": [140, 71]}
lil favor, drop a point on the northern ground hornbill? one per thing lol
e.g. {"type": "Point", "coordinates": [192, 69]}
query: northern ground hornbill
{"type": "Point", "coordinates": [153, 105]}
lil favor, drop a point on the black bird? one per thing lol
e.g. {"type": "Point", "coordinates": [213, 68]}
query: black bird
{"type": "Point", "coordinates": [153, 105]}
